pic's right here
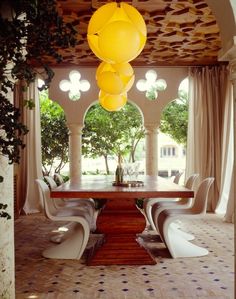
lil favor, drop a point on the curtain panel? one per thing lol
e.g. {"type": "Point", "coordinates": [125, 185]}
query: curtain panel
{"type": "Point", "coordinates": [208, 96]}
{"type": "Point", "coordinates": [30, 167]}
{"type": "Point", "coordinates": [33, 158]}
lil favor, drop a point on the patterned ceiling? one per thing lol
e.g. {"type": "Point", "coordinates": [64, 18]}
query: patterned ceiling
{"type": "Point", "coordinates": [179, 32]}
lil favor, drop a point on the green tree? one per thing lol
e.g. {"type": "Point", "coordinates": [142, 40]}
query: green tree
{"type": "Point", "coordinates": [54, 133]}
{"type": "Point", "coordinates": [112, 133]}
{"type": "Point", "coordinates": [174, 120]}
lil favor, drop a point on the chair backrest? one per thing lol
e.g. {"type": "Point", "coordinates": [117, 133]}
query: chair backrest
{"type": "Point", "coordinates": [51, 182]}
{"type": "Point", "coordinates": [191, 181]}
{"type": "Point", "coordinates": [58, 178]}
{"type": "Point", "coordinates": [177, 177]}
{"type": "Point", "coordinates": [200, 202]}
{"type": "Point", "coordinates": [189, 184]}
{"type": "Point", "coordinates": [44, 192]}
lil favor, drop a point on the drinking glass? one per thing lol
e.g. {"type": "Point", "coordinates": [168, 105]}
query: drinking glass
{"type": "Point", "coordinates": [136, 166]}
{"type": "Point", "coordinates": [130, 170]}
{"type": "Point", "coordinates": [125, 172]}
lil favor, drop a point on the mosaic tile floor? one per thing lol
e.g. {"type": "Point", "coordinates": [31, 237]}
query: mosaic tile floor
{"type": "Point", "coordinates": [211, 276]}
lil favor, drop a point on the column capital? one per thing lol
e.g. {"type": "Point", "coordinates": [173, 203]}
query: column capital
{"type": "Point", "coordinates": [151, 127]}
{"type": "Point", "coordinates": [75, 129]}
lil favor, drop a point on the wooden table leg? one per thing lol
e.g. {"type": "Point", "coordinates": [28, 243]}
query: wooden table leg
{"type": "Point", "coordinates": [120, 221]}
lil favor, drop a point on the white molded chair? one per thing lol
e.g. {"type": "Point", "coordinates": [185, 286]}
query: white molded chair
{"type": "Point", "coordinates": [58, 178]}
{"type": "Point", "coordinates": [75, 240]}
{"type": "Point", "coordinates": [182, 203]}
{"type": "Point", "coordinates": [82, 204]}
{"type": "Point", "coordinates": [163, 202]}
{"type": "Point", "coordinates": [177, 177]}
{"type": "Point", "coordinates": [177, 245]}
{"type": "Point", "coordinates": [70, 202]}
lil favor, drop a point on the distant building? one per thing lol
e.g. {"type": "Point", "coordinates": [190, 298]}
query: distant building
{"type": "Point", "coordinates": [171, 156]}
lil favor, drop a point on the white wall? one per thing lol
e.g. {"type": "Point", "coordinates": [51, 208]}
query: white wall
{"type": "Point", "coordinates": [75, 111]}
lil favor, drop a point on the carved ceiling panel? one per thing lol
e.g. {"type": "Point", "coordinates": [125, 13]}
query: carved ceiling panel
{"type": "Point", "coordinates": [179, 32]}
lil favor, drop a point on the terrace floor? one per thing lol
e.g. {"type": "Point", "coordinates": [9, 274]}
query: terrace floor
{"type": "Point", "coordinates": [211, 276]}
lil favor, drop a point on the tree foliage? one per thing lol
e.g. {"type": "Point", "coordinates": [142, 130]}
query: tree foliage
{"type": "Point", "coordinates": [10, 130]}
{"type": "Point", "coordinates": [112, 133]}
{"type": "Point", "coordinates": [54, 135]}
{"type": "Point", "coordinates": [174, 120]}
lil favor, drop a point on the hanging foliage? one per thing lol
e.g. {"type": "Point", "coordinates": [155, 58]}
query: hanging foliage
{"type": "Point", "coordinates": [31, 32]}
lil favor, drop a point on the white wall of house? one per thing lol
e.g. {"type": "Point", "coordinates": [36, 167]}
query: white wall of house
{"type": "Point", "coordinates": [171, 156]}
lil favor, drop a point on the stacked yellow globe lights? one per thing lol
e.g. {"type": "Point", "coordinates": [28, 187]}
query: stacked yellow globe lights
{"type": "Point", "coordinates": [116, 35]}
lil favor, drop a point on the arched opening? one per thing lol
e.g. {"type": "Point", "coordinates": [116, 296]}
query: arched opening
{"type": "Point", "coordinates": [106, 135]}
{"type": "Point", "coordinates": [54, 136]}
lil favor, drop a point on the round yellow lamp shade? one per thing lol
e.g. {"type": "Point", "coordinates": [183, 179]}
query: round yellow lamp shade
{"type": "Point", "coordinates": [115, 78]}
{"type": "Point", "coordinates": [112, 102]}
{"type": "Point", "coordinates": [116, 32]}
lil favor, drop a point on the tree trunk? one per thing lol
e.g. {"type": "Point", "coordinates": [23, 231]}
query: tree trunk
{"type": "Point", "coordinates": [106, 163]}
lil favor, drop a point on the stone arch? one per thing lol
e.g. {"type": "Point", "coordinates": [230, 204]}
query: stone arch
{"type": "Point", "coordinates": [151, 110]}
{"type": "Point", "coordinates": [138, 108]}
{"type": "Point", "coordinates": [96, 101]}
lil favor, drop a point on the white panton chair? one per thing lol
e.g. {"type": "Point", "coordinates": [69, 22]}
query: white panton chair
{"type": "Point", "coordinates": [182, 203]}
{"type": "Point", "coordinates": [148, 204]}
{"type": "Point", "coordinates": [75, 240]}
{"type": "Point", "coordinates": [177, 177]}
{"type": "Point", "coordinates": [78, 203]}
{"type": "Point", "coordinates": [177, 245]}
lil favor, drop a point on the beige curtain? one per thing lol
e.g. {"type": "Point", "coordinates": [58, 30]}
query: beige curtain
{"type": "Point", "coordinates": [32, 162]}
{"type": "Point", "coordinates": [208, 95]}
{"type": "Point", "coordinates": [230, 209]}
{"type": "Point", "coordinates": [226, 202]}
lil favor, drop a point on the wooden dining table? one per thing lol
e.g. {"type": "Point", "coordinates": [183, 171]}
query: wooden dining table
{"type": "Point", "coordinates": [120, 220]}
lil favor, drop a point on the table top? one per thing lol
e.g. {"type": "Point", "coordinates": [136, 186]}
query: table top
{"type": "Point", "coordinates": [101, 187]}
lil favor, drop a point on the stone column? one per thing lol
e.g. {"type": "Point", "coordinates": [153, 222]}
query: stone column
{"type": "Point", "coordinates": [75, 151]}
{"type": "Point", "coordinates": [151, 149]}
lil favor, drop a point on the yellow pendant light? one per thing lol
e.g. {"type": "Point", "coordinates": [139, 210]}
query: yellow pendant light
{"type": "Point", "coordinates": [112, 102]}
{"type": "Point", "coordinates": [115, 78]}
{"type": "Point", "coordinates": [116, 33]}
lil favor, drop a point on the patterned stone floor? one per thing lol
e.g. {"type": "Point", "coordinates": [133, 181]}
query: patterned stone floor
{"type": "Point", "coordinates": [211, 276]}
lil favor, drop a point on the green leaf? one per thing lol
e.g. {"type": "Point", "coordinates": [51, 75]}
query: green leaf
{"type": "Point", "coordinates": [174, 119]}
{"type": "Point", "coordinates": [55, 141]}
{"type": "Point", "coordinates": [29, 104]}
